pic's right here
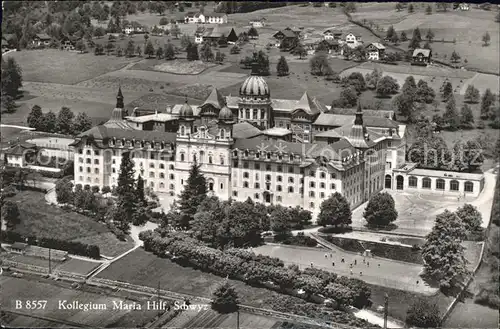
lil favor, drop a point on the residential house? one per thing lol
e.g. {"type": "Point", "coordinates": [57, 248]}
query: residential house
{"type": "Point", "coordinates": [20, 155]}
{"type": "Point", "coordinates": [331, 34]}
{"type": "Point", "coordinates": [68, 42]}
{"type": "Point", "coordinates": [375, 51]}
{"type": "Point", "coordinates": [258, 23]}
{"type": "Point", "coordinates": [214, 34]}
{"type": "Point", "coordinates": [464, 6]}
{"type": "Point", "coordinates": [332, 45]}
{"type": "Point", "coordinates": [352, 40]}
{"type": "Point", "coordinates": [285, 36]}
{"type": "Point", "coordinates": [41, 39]}
{"type": "Point", "coordinates": [200, 18]}
{"type": "Point", "coordinates": [133, 29]}
{"type": "Point", "coordinates": [422, 56]}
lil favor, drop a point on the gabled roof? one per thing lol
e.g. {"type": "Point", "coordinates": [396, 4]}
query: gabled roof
{"type": "Point", "coordinates": [424, 52]}
{"type": "Point", "coordinates": [377, 45]}
{"type": "Point", "coordinates": [19, 149]}
{"type": "Point", "coordinates": [245, 130]}
{"type": "Point", "coordinates": [43, 36]}
{"type": "Point", "coordinates": [215, 98]}
{"type": "Point", "coordinates": [310, 106]}
{"type": "Point", "coordinates": [101, 132]}
{"type": "Point", "coordinates": [286, 33]}
{"type": "Point", "coordinates": [339, 120]}
{"type": "Point", "coordinates": [332, 31]}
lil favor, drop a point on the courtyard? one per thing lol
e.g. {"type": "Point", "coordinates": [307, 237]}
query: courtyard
{"type": "Point", "coordinates": [417, 211]}
{"type": "Point", "coordinates": [376, 271]}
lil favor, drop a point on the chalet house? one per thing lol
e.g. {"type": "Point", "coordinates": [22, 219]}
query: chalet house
{"type": "Point", "coordinates": [464, 6]}
{"type": "Point", "coordinates": [20, 154]}
{"type": "Point", "coordinates": [215, 34]}
{"type": "Point", "coordinates": [421, 56]}
{"type": "Point", "coordinates": [352, 40]}
{"type": "Point", "coordinates": [333, 46]}
{"type": "Point", "coordinates": [330, 34]}
{"type": "Point", "coordinates": [286, 34]}
{"type": "Point", "coordinates": [132, 29]}
{"type": "Point", "coordinates": [200, 18]}
{"type": "Point", "coordinates": [258, 23]}
{"type": "Point", "coordinates": [375, 51]}
{"type": "Point", "coordinates": [41, 39]}
{"type": "Point", "coordinates": [69, 42]}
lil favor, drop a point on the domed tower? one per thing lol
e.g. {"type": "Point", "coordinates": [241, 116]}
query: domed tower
{"type": "Point", "coordinates": [186, 120]}
{"type": "Point", "coordinates": [255, 101]}
{"type": "Point", "coordinates": [225, 123]}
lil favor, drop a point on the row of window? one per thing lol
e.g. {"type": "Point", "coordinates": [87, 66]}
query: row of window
{"type": "Point", "coordinates": [290, 189]}
{"type": "Point", "coordinates": [89, 170]}
{"type": "Point", "coordinates": [89, 180]}
{"type": "Point", "coordinates": [182, 157]}
{"type": "Point", "coordinates": [440, 184]}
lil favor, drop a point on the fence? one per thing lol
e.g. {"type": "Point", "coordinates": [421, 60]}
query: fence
{"type": "Point", "coordinates": [246, 308]}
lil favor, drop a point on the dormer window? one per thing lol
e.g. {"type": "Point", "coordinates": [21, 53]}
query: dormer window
{"type": "Point", "coordinates": [235, 153]}
{"type": "Point", "coordinates": [246, 153]}
{"type": "Point", "coordinates": [268, 156]}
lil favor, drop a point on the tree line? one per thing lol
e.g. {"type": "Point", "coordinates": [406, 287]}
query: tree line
{"type": "Point", "coordinates": [64, 123]}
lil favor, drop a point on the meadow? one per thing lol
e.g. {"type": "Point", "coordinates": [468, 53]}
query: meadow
{"type": "Point", "coordinates": [65, 67]}
{"type": "Point", "coordinates": [53, 222]}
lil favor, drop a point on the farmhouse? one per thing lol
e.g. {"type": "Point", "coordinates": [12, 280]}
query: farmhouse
{"type": "Point", "coordinates": [133, 28]}
{"type": "Point", "coordinates": [352, 40]}
{"type": "Point", "coordinates": [331, 34]}
{"type": "Point", "coordinates": [421, 56]}
{"type": "Point", "coordinates": [286, 36]}
{"type": "Point", "coordinates": [332, 45]}
{"type": "Point", "coordinates": [200, 18]}
{"type": "Point", "coordinates": [68, 42]}
{"type": "Point", "coordinates": [215, 35]}
{"type": "Point", "coordinates": [41, 39]}
{"type": "Point", "coordinates": [258, 23]}
{"type": "Point", "coordinates": [375, 51]}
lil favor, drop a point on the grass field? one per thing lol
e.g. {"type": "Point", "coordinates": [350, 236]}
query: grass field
{"type": "Point", "coordinates": [53, 222]}
{"type": "Point", "coordinates": [77, 266]}
{"type": "Point", "coordinates": [178, 66]}
{"type": "Point", "coordinates": [143, 268]}
{"type": "Point", "coordinates": [64, 67]}
{"type": "Point", "coordinates": [23, 289]}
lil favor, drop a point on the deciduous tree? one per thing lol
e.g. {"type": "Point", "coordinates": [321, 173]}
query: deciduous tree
{"type": "Point", "coordinates": [335, 211]}
{"type": "Point", "coordinates": [206, 53]}
{"type": "Point", "coordinates": [149, 50]}
{"type": "Point", "coordinates": [423, 313]}
{"type": "Point", "coordinates": [10, 214]}
{"type": "Point", "coordinates": [486, 39]}
{"type": "Point", "coordinates": [381, 210]}
{"type": "Point", "coordinates": [82, 123]}
{"type": "Point", "coordinates": [466, 117]}
{"type": "Point", "coordinates": [455, 57]}
{"type": "Point", "coordinates": [487, 102]}
{"type": "Point", "coordinates": [387, 86]}
{"type": "Point", "coordinates": [35, 117]}
{"type": "Point", "coordinates": [318, 64]}
{"type": "Point", "coordinates": [12, 79]}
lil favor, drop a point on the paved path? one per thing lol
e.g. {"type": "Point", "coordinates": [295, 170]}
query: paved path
{"type": "Point", "coordinates": [14, 126]}
{"type": "Point", "coordinates": [392, 274]}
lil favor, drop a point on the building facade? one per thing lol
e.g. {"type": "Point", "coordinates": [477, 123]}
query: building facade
{"type": "Point", "coordinates": [248, 147]}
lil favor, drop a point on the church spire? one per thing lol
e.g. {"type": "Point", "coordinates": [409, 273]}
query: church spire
{"type": "Point", "coordinates": [119, 99]}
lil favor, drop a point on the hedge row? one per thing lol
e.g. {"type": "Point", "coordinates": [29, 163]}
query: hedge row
{"type": "Point", "coordinates": [72, 247]}
{"type": "Point", "coordinates": [188, 251]}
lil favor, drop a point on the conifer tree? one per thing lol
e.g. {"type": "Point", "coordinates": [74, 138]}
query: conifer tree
{"type": "Point", "coordinates": [225, 299]}
{"type": "Point", "coordinates": [195, 191]}
{"type": "Point", "coordinates": [140, 190]}
{"type": "Point", "coordinates": [282, 67]}
{"type": "Point", "coordinates": [126, 191]}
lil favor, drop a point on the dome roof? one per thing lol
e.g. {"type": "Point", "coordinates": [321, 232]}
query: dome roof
{"type": "Point", "coordinates": [225, 114]}
{"type": "Point", "coordinates": [186, 110]}
{"type": "Point", "coordinates": [254, 86]}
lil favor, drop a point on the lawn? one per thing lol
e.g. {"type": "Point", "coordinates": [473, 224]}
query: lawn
{"type": "Point", "coordinates": [400, 301]}
{"type": "Point", "coordinates": [78, 266]}
{"type": "Point", "coordinates": [178, 66]}
{"type": "Point", "coordinates": [466, 27]}
{"type": "Point", "coordinates": [24, 289]}
{"type": "Point", "coordinates": [143, 268]}
{"type": "Point", "coordinates": [43, 220]}
{"type": "Point", "coordinates": [65, 67]}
